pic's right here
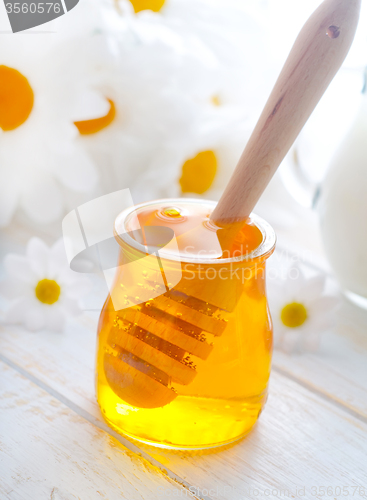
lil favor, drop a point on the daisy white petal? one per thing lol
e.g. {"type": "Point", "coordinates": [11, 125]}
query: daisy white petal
{"type": "Point", "coordinates": [70, 305]}
{"type": "Point", "coordinates": [91, 105]}
{"type": "Point", "coordinates": [74, 169]}
{"type": "Point", "coordinates": [295, 283]}
{"type": "Point", "coordinates": [55, 319]}
{"type": "Point", "coordinates": [9, 196]}
{"type": "Point", "coordinates": [57, 261]}
{"type": "Point", "coordinates": [42, 201]}
{"type": "Point", "coordinates": [325, 304]}
{"type": "Point", "coordinates": [321, 323]}
{"type": "Point", "coordinates": [11, 289]}
{"type": "Point", "coordinates": [38, 254]}
{"type": "Point", "coordinates": [68, 278]}
{"type": "Point", "coordinates": [16, 311]}
{"type": "Point", "coordinates": [315, 286]}
{"type": "Point", "coordinates": [76, 290]}
{"type": "Point", "coordinates": [289, 343]}
{"type": "Point", "coordinates": [34, 318]}
{"type": "Point", "coordinates": [17, 267]}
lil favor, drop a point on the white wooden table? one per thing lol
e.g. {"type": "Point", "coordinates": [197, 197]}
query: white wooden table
{"type": "Point", "coordinates": [310, 442]}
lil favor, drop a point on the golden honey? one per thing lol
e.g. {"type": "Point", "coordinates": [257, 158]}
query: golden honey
{"type": "Point", "coordinates": [185, 336]}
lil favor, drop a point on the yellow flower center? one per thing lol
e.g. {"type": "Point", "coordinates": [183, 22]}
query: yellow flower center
{"type": "Point", "coordinates": [47, 291]}
{"type": "Point", "coordinates": [16, 98]}
{"type": "Point", "coordinates": [216, 100]}
{"type": "Point", "coordinates": [293, 315]}
{"type": "Point", "coordinates": [154, 5]}
{"type": "Point", "coordinates": [198, 173]}
{"type": "Point", "coordinates": [87, 127]}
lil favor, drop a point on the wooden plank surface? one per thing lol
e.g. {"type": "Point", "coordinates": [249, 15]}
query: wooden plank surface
{"type": "Point", "coordinates": [63, 361]}
{"type": "Point", "coordinates": [48, 452]}
{"type": "Point", "coordinates": [300, 444]}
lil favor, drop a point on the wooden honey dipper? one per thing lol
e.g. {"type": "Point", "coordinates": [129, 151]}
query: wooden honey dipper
{"type": "Point", "coordinates": [148, 346]}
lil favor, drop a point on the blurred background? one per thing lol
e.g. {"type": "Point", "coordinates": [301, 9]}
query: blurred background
{"type": "Point", "coordinates": [159, 96]}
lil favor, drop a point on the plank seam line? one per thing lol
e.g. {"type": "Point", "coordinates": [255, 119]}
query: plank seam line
{"type": "Point", "coordinates": [320, 394]}
{"type": "Point", "coordinates": [102, 426]}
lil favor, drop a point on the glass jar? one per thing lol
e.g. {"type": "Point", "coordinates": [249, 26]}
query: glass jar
{"type": "Point", "coordinates": [184, 341]}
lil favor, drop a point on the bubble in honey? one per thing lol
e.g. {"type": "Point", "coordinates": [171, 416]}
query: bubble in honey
{"type": "Point", "coordinates": [172, 212]}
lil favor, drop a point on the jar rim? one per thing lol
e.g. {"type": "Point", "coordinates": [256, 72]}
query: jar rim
{"type": "Point", "coordinates": [263, 251]}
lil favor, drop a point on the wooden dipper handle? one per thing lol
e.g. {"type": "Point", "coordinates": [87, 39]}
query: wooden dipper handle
{"type": "Point", "coordinates": [315, 58]}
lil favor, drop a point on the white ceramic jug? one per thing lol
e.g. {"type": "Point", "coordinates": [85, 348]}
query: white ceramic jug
{"type": "Point", "coordinates": [342, 206]}
{"type": "Point", "coordinates": [341, 201]}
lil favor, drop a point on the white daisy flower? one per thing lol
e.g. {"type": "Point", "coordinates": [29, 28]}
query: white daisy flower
{"type": "Point", "coordinates": [160, 96]}
{"type": "Point", "coordinates": [301, 310]}
{"type": "Point", "coordinates": [233, 34]}
{"type": "Point", "coordinates": [185, 101]}
{"type": "Point", "coordinates": [42, 288]}
{"type": "Point", "coordinates": [44, 88]}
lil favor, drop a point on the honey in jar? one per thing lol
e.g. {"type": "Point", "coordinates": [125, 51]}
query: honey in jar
{"type": "Point", "coordinates": [185, 335]}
